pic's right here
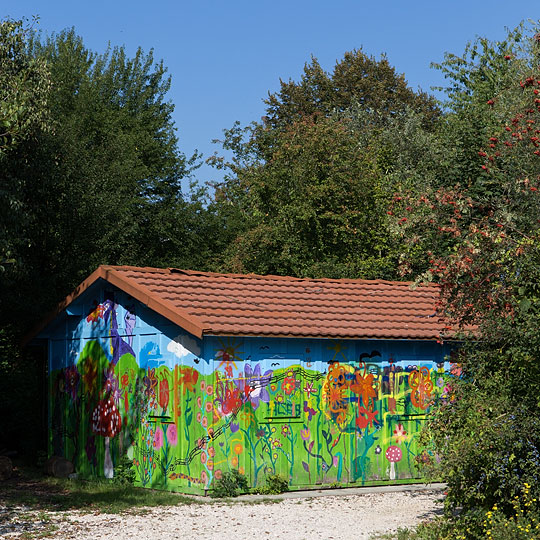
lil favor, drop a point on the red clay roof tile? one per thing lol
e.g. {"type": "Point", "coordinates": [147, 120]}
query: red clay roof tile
{"type": "Point", "coordinates": [207, 303]}
{"type": "Point", "coordinates": [253, 305]}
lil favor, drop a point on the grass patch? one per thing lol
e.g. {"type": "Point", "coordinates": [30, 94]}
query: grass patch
{"type": "Point", "coordinates": [34, 491]}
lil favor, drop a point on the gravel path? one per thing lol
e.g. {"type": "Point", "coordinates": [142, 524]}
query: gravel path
{"type": "Point", "coordinates": [340, 517]}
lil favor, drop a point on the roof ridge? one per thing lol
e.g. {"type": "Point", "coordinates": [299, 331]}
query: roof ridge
{"type": "Point", "coordinates": [412, 284]}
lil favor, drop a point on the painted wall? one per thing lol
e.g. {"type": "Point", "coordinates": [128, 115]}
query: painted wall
{"type": "Point", "coordinates": [128, 388]}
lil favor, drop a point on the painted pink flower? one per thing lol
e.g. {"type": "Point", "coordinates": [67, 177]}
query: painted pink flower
{"type": "Point", "coordinates": [204, 477]}
{"type": "Point", "coordinates": [399, 433]}
{"type": "Point", "coordinates": [304, 433]}
{"type": "Point", "coordinates": [172, 435]}
{"type": "Point", "coordinates": [158, 438]}
{"type": "Point", "coordinates": [309, 389]}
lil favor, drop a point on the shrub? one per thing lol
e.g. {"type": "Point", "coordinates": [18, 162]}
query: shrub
{"type": "Point", "coordinates": [275, 483]}
{"type": "Point", "coordinates": [230, 484]}
{"type": "Point", "coordinates": [124, 472]}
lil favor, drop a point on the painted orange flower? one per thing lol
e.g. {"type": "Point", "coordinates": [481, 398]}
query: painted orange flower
{"type": "Point", "coordinates": [364, 386]}
{"type": "Point", "coordinates": [189, 379]}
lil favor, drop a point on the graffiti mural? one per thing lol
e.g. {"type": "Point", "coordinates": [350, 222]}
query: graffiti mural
{"type": "Point", "coordinates": [129, 388]}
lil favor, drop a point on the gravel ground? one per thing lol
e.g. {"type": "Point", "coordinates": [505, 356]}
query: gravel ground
{"type": "Point", "coordinates": [340, 517]}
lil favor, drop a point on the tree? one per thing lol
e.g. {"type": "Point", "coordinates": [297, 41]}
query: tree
{"type": "Point", "coordinates": [102, 186]}
{"type": "Point", "coordinates": [357, 79]}
{"type": "Point", "coordinates": [486, 430]}
{"type": "Point", "coordinates": [24, 89]}
{"type": "Point", "coordinates": [308, 187]}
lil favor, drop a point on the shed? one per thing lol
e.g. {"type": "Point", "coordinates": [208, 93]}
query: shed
{"type": "Point", "coordinates": [185, 375]}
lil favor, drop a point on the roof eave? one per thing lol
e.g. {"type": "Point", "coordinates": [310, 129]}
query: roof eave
{"type": "Point", "coordinates": [168, 310]}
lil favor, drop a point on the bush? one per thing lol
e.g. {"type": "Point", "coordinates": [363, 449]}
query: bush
{"type": "Point", "coordinates": [489, 448]}
{"type": "Point", "coordinates": [124, 472]}
{"type": "Point", "coordinates": [523, 523]}
{"type": "Point", "coordinates": [275, 483]}
{"type": "Point", "coordinates": [230, 484]}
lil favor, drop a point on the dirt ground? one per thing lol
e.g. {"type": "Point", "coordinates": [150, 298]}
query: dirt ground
{"type": "Point", "coordinates": [343, 517]}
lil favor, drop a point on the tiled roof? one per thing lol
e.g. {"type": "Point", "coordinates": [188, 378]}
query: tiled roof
{"type": "Point", "coordinates": [206, 303]}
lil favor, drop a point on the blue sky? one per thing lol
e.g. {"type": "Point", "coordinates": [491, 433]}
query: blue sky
{"type": "Point", "coordinates": [224, 56]}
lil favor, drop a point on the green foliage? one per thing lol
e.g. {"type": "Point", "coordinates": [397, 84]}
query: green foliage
{"type": "Point", "coordinates": [275, 484]}
{"type": "Point", "coordinates": [485, 239]}
{"type": "Point", "coordinates": [230, 484]}
{"type": "Point", "coordinates": [521, 523]}
{"type": "Point", "coordinates": [357, 79]}
{"type": "Point", "coordinates": [103, 186]}
{"type": "Point", "coordinates": [24, 90]}
{"type": "Point", "coordinates": [124, 472]}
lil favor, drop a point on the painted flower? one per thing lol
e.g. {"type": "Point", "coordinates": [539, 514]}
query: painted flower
{"type": "Point", "coordinates": [310, 411]}
{"type": "Point", "coordinates": [204, 477]}
{"type": "Point", "coordinates": [254, 385]}
{"type": "Point", "coordinates": [96, 314]}
{"type": "Point", "coordinates": [260, 433]}
{"type": "Point", "coordinates": [218, 474]}
{"type": "Point", "coordinates": [150, 382]}
{"type": "Point", "coordinates": [285, 430]}
{"type": "Point", "coordinates": [231, 401]}
{"type": "Point", "coordinates": [71, 382]}
{"type": "Point", "coordinates": [209, 390]}
{"type": "Point", "coordinates": [234, 427]}
{"type": "Point", "coordinates": [158, 438]}
{"type": "Point", "coordinates": [309, 389]}
{"type": "Point", "coordinates": [172, 434]}
{"type": "Point", "coordinates": [210, 464]}
{"type": "Point", "coordinates": [208, 406]}
{"type": "Point", "coordinates": [363, 386]}
{"type": "Point", "coordinates": [203, 457]}
{"type": "Point", "coordinates": [288, 385]}
{"type": "Point", "coordinates": [305, 433]}
{"type": "Point", "coordinates": [163, 399]}
{"type": "Point", "coordinates": [189, 379]}
{"type": "Point", "coordinates": [400, 434]}
{"type": "Point", "coordinates": [238, 448]}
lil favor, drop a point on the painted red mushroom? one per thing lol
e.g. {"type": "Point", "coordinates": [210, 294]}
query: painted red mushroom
{"type": "Point", "coordinates": [393, 455]}
{"type": "Point", "coordinates": [106, 421]}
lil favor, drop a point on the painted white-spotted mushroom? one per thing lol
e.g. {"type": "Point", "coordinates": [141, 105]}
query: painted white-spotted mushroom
{"type": "Point", "coordinates": [107, 422]}
{"type": "Point", "coordinates": [393, 455]}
